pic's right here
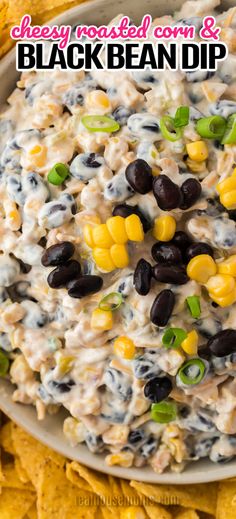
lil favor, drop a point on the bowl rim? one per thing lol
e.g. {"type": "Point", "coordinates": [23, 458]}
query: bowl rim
{"type": "Point", "coordinates": [196, 472]}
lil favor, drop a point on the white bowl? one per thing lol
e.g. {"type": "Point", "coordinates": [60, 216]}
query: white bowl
{"type": "Point", "coordinates": [49, 431]}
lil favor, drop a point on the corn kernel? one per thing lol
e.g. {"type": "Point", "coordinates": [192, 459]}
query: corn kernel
{"type": "Point", "coordinates": [228, 199]}
{"type": "Point", "coordinates": [124, 347]}
{"type": "Point", "coordinates": [101, 320]}
{"type": "Point", "coordinates": [201, 267]}
{"type": "Point", "coordinates": [102, 258]}
{"type": "Point", "coordinates": [190, 344]}
{"type": "Point", "coordinates": [98, 99]}
{"type": "Point", "coordinates": [88, 236]}
{"type": "Point", "coordinates": [116, 228]}
{"type": "Point", "coordinates": [227, 300]}
{"type": "Point", "coordinates": [38, 155]}
{"type": "Point", "coordinates": [228, 266]}
{"type": "Point", "coordinates": [197, 151]}
{"type": "Point", "coordinates": [229, 184]}
{"type": "Point", "coordinates": [133, 512]}
{"type": "Point", "coordinates": [119, 256]}
{"type": "Point", "coordinates": [164, 228]}
{"type": "Point", "coordinates": [134, 228]}
{"type": "Point", "coordinates": [124, 459]}
{"type": "Point", "coordinates": [221, 285]}
{"type": "Point", "coordinates": [102, 237]}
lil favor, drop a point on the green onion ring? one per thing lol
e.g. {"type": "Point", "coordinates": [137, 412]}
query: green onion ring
{"type": "Point", "coordinates": [58, 174]}
{"type": "Point", "coordinates": [173, 337]}
{"type": "Point", "coordinates": [194, 306]}
{"type": "Point", "coordinates": [107, 302]}
{"type": "Point", "coordinates": [187, 370]}
{"type": "Point", "coordinates": [181, 116]}
{"type": "Point", "coordinates": [230, 133]}
{"type": "Point", "coordinates": [164, 412]}
{"type": "Point", "coordinates": [168, 130]}
{"type": "Point", "coordinates": [100, 123]}
{"type": "Point", "coordinates": [211, 127]}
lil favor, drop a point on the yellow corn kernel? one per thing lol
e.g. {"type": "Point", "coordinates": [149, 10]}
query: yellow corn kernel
{"type": "Point", "coordinates": [102, 237]}
{"type": "Point", "coordinates": [221, 285]}
{"type": "Point", "coordinates": [119, 256]}
{"type": "Point", "coordinates": [228, 199]}
{"type": "Point", "coordinates": [134, 228]}
{"type": "Point", "coordinates": [201, 267]}
{"type": "Point", "coordinates": [116, 228]}
{"type": "Point", "coordinates": [197, 151]}
{"type": "Point", "coordinates": [37, 155]}
{"type": "Point", "coordinates": [133, 512]}
{"type": "Point", "coordinates": [190, 344]}
{"type": "Point", "coordinates": [64, 363]}
{"type": "Point", "coordinates": [98, 99]}
{"type": "Point", "coordinates": [227, 300]}
{"type": "Point", "coordinates": [102, 258]}
{"type": "Point", "coordinates": [229, 184]}
{"type": "Point", "coordinates": [101, 320]}
{"type": "Point", "coordinates": [88, 236]}
{"type": "Point", "coordinates": [228, 266]}
{"type": "Point", "coordinates": [124, 347]}
{"type": "Point", "coordinates": [124, 459]}
{"type": "Point", "coordinates": [164, 228]}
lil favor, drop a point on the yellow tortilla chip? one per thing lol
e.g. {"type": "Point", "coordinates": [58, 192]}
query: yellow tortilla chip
{"type": "Point", "coordinates": [42, 17]}
{"type": "Point", "coordinates": [97, 481]}
{"type": "Point", "coordinates": [99, 514]}
{"type": "Point", "coordinates": [58, 498]}
{"type": "Point", "coordinates": [6, 438]}
{"type": "Point", "coordinates": [11, 479]}
{"type": "Point", "coordinates": [15, 503]}
{"type": "Point", "coordinates": [159, 512]}
{"type": "Point", "coordinates": [200, 497]}
{"type": "Point", "coordinates": [73, 476]}
{"type": "Point", "coordinates": [32, 512]}
{"type": "Point", "coordinates": [18, 9]}
{"type": "Point", "coordinates": [32, 453]}
{"type": "Point", "coordinates": [187, 514]}
{"type": "Point", "coordinates": [22, 474]}
{"type": "Point", "coordinates": [226, 500]}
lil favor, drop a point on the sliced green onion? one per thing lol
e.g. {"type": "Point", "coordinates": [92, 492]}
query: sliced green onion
{"type": "Point", "coordinates": [192, 372]}
{"type": "Point", "coordinates": [168, 130]}
{"type": "Point", "coordinates": [173, 337]}
{"type": "Point", "coordinates": [100, 123]}
{"type": "Point", "coordinates": [4, 364]}
{"type": "Point", "coordinates": [111, 301]}
{"type": "Point", "coordinates": [193, 303]}
{"type": "Point", "coordinates": [164, 412]}
{"type": "Point", "coordinates": [181, 116]}
{"type": "Point", "coordinates": [211, 127]}
{"type": "Point", "coordinates": [230, 132]}
{"type": "Point", "coordinates": [58, 174]}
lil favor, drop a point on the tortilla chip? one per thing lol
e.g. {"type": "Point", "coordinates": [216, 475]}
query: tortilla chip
{"type": "Point", "coordinates": [32, 512]}
{"type": "Point", "coordinates": [58, 498]}
{"type": "Point", "coordinates": [99, 514]}
{"type": "Point", "coordinates": [97, 481]}
{"type": "Point", "coordinates": [74, 477]}
{"type": "Point", "coordinates": [6, 438]}
{"type": "Point", "coordinates": [12, 480]}
{"type": "Point", "coordinates": [159, 512]}
{"type": "Point", "coordinates": [18, 9]}
{"type": "Point", "coordinates": [200, 497]}
{"type": "Point", "coordinates": [226, 501]}
{"type": "Point", "coordinates": [187, 514]}
{"type": "Point", "coordinates": [32, 453]}
{"type": "Point", "coordinates": [43, 17]}
{"type": "Point", "coordinates": [22, 474]}
{"type": "Point", "coordinates": [15, 503]}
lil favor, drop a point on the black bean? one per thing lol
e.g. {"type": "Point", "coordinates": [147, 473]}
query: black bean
{"type": "Point", "coordinates": [57, 254]}
{"type": "Point", "coordinates": [162, 308]}
{"type": "Point", "coordinates": [84, 286]}
{"type": "Point", "coordinates": [166, 253]}
{"type": "Point", "coordinates": [121, 115]}
{"type": "Point", "coordinates": [170, 274]}
{"type": "Point", "coordinates": [61, 387]}
{"type": "Point", "coordinates": [191, 190]}
{"type": "Point", "coordinates": [223, 343]}
{"type": "Point", "coordinates": [142, 277]}
{"type": "Point", "coordinates": [139, 175]}
{"type": "Point", "coordinates": [135, 436]}
{"type": "Point", "coordinates": [197, 249]}
{"type": "Point", "coordinates": [61, 275]}
{"type": "Point", "coordinates": [157, 389]}
{"type": "Point", "coordinates": [167, 193]}
{"type": "Point", "coordinates": [125, 210]}
{"type": "Point", "coordinates": [181, 240]}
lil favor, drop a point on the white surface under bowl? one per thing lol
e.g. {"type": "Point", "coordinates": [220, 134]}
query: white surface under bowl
{"type": "Point", "coordinates": [49, 431]}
